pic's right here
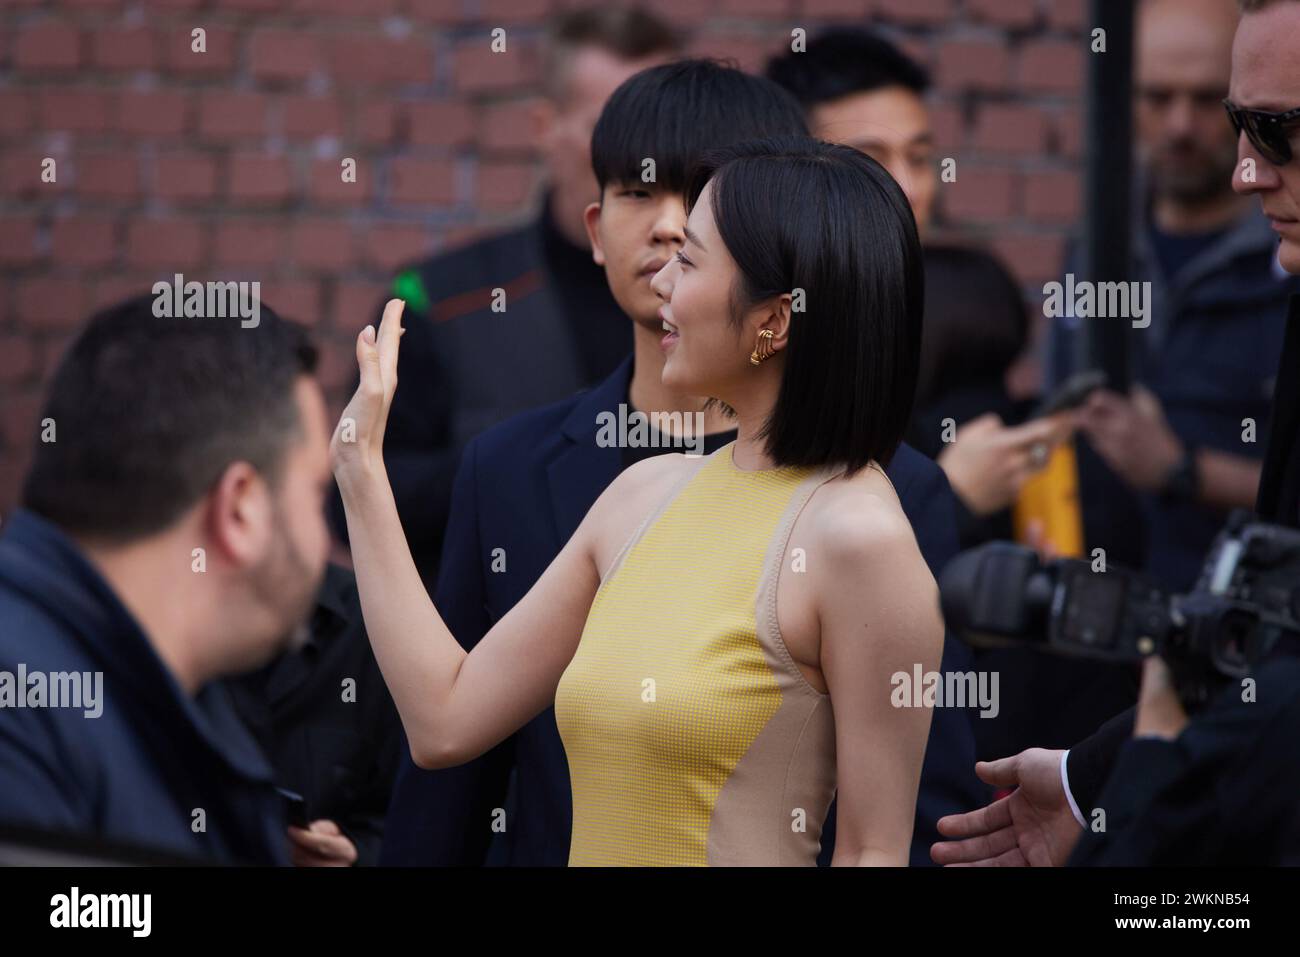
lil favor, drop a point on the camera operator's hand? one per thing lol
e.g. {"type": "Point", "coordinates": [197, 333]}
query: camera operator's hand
{"type": "Point", "coordinates": [989, 462]}
{"type": "Point", "coordinates": [1030, 827]}
{"type": "Point", "coordinates": [1160, 712]}
{"type": "Point", "coordinates": [1132, 435]}
{"type": "Point", "coordinates": [321, 844]}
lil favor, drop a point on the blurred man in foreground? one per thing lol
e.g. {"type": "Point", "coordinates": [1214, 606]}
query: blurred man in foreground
{"type": "Point", "coordinates": [171, 533]}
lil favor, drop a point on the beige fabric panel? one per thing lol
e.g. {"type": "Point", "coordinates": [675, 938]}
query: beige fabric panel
{"type": "Point", "coordinates": [771, 810]}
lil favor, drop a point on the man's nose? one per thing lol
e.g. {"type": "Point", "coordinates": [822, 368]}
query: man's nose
{"type": "Point", "coordinates": [1253, 173]}
{"type": "Point", "coordinates": [669, 225]}
{"type": "Point", "coordinates": [1180, 117]}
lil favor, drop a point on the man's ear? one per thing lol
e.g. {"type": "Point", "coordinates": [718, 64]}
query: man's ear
{"type": "Point", "coordinates": [239, 516]}
{"type": "Point", "coordinates": [591, 219]}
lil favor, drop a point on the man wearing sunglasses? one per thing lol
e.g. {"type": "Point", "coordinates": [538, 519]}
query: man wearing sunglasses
{"type": "Point", "coordinates": [1224, 786]}
{"type": "Point", "coordinates": [1269, 133]}
{"type": "Point", "coordinates": [1161, 466]}
{"type": "Point", "coordinates": [1264, 106]}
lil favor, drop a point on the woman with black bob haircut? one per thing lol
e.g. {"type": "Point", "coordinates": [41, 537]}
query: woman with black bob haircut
{"type": "Point", "coordinates": [842, 232]}
{"type": "Point", "coordinates": [730, 640]}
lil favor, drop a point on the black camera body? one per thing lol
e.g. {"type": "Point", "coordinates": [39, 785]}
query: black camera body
{"type": "Point", "coordinates": [1246, 599]}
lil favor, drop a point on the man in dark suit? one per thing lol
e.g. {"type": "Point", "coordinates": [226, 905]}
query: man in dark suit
{"type": "Point", "coordinates": [1162, 780]}
{"type": "Point", "coordinates": [1221, 788]}
{"type": "Point", "coordinates": [521, 318]}
{"type": "Point", "coordinates": [524, 486]}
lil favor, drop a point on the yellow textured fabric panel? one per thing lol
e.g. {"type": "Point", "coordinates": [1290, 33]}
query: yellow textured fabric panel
{"type": "Point", "coordinates": [669, 686]}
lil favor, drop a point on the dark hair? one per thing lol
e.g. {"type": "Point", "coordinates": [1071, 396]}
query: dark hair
{"type": "Point", "coordinates": [797, 213]}
{"type": "Point", "coordinates": [976, 323]}
{"type": "Point", "coordinates": [843, 61]}
{"type": "Point", "coordinates": [675, 112]}
{"type": "Point", "coordinates": [629, 33]}
{"type": "Point", "coordinates": [150, 411]}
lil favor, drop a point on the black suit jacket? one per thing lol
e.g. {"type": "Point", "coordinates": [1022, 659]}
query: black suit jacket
{"type": "Point", "coordinates": [1147, 779]}
{"type": "Point", "coordinates": [524, 487]}
{"type": "Point", "coordinates": [1226, 792]}
{"type": "Point", "coordinates": [1279, 486]}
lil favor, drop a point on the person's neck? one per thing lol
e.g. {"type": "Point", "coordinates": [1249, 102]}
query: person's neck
{"type": "Point", "coordinates": [1180, 217]}
{"type": "Point", "coordinates": [154, 582]}
{"type": "Point", "coordinates": [753, 403]}
{"type": "Point", "coordinates": [648, 394]}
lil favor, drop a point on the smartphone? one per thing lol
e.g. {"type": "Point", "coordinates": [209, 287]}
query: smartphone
{"type": "Point", "coordinates": [1071, 393]}
{"type": "Point", "coordinates": [295, 806]}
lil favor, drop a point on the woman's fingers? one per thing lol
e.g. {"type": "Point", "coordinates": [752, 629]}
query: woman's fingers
{"type": "Point", "coordinates": [390, 335]}
{"type": "Point", "coordinates": [377, 357]}
{"type": "Point", "coordinates": [360, 435]}
{"type": "Point", "coordinates": [372, 380]}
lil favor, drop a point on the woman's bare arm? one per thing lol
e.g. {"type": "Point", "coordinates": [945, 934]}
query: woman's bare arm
{"type": "Point", "coordinates": [879, 615]}
{"type": "Point", "coordinates": [453, 705]}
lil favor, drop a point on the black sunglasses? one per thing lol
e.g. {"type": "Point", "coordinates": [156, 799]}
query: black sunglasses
{"type": "Point", "coordinates": [1267, 132]}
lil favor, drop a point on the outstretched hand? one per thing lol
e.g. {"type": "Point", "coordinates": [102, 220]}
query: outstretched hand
{"type": "Point", "coordinates": [1032, 826]}
{"type": "Point", "coordinates": [358, 443]}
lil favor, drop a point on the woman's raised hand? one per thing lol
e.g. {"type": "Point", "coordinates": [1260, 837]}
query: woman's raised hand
{"type": "Point", "coordinates": [358, 443]}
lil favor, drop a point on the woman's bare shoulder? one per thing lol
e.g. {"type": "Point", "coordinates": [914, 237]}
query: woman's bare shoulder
{"type": "Point", "coordinates": [643, 482]}
{"type": "Point", "coordinates": [654, 472]}
{"type": "Point", "coordinates": [630, 498]}
{"type": "Point", "coordinates": [859, 516]}
{"type": "Point", "coordinates": [872, 571]}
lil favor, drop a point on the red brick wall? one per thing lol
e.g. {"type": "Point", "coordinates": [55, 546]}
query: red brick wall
{"type": "Point", "coordinates": [226, 164]}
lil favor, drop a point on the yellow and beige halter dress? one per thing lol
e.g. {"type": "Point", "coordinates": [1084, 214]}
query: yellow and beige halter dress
{"type": "Point", "coordinates": [691, 735]}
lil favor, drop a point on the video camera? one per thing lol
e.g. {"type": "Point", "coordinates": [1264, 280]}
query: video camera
{"type": "Point", "coordinates": [1246, 599]}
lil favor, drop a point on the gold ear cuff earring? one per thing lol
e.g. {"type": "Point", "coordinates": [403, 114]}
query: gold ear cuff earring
{"type": "Point", "coordinates": [763, 348]}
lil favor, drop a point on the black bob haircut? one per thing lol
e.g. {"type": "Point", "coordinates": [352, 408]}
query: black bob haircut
{"type": "Point", "coordinates": [844, 61]}
{"type": "Point", "coordinates": [150, 411]}
{"type": "Point", "coordinates": [797, 213]}
{"type": "Point", "coordinates": [675, 112]}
